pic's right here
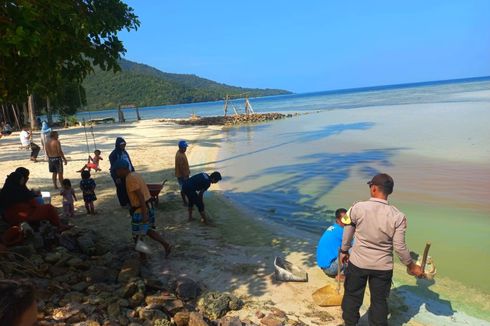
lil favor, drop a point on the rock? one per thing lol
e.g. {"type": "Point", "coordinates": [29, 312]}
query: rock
{"type": "Point", "coordinates": [235, 303]}
{"type": "Point", "coordinates": [98, 274]}
{"type": "Point", "coordinates": [75, 262]}
{"type": "Point", "coordinates": [113, 310]}
{"type": "Point", "coordinates": [181, 318]}
{"type": "Point", "coordinates": [187, 289]}
{"type": "Point", "coordinates": [215, 305]}
{"type": "Point", "coordinates": [123, 302]}
{"type": "Point", "coordinates": [136, 299]}
{"type": "Point", "coordinates": [71, 297]}
{"type": "Point", "coordinates": [173, 306]}
{"type": "Point", "coordinates": [68, 241]}
{"type": "Point", "coordinates": [52, 257]}
{"type": "Point", "coordinates": [196, 319]}
{"type": "Point", "coordinates": [259, 314]}
{"type": "Point", "coordinates": [66, 312]}
{"type": "Point", "coordinates": [229, 321]}
{"type": "Point", "coordinates": [159, 298]}
{"type": "Point", "coordinates": [57, 271]}
{"type": "Point", "coordinates": [162, 322]}
{"type": "Point", "coordinates": [155, 284]}
{"type": "Point", "coordinates": [130, 269]}
{"type": "Point", "coordinates": [86, 242]}
{"type": "Point", "coordinates": [270, 320]}
{"type": "Point", "coordinates": [24, 250]}
{"type": "Point", "coordinates": [128, 290]}
{"type": "Point", "coordinates": [80, 287]}
{"type": "Point", "coordinates": [87, 323]}
{"type": "Point", "coordinates": [278, 312]}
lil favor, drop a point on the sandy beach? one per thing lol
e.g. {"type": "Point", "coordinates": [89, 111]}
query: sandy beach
{"type": "Point", "coordinates": [234, 254]}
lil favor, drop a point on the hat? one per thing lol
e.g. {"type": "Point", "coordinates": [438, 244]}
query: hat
{"type": "Point", "coordinates": [183, 144]}
{"type": "Point", "coordinates": [120, 164]}
{"type": "Point", "coordinates": [383, 180]}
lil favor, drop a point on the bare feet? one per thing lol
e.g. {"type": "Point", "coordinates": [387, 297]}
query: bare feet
{"type": "Point", "coordinates": [204, 221]}
{"type": "Point", "coordinates": [190, 219]}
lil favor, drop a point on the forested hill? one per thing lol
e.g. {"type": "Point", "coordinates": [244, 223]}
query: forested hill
{"type": "Point", "coordinates": [143, 85]}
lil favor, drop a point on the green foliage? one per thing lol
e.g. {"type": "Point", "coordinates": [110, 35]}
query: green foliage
{"type": "Point", "coordinates": [68, 99]}
{"type": "Point", "coordinates": [44, 43]}
{"type": "Point", "coordinates": [143, 85]}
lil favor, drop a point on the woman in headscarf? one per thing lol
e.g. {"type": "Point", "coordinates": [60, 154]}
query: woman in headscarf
{"type": "Point", "coordinates": [18, 204]}
{"type": "Point", "coordinates": [119, 153]}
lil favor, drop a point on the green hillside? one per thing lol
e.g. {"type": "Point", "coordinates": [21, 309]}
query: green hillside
{"type": "Point", "coordinates": [143, 85]}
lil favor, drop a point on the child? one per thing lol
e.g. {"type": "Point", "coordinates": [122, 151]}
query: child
{"type": "Point", "coordinates": [87, 185]}
{"type": "Point", "coordinates": [68, 196]}
{"type": "Point", "coordinates": [93, 162]}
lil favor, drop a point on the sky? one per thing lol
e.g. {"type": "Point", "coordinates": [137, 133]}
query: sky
{"type": "Point", "coordinates": [309, 45]}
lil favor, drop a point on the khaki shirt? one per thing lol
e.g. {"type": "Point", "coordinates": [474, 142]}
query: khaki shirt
{"type": "Point", "coordinates": [378, 229]}
{"type": "Point", "coordinates": [181, 165]}
{"type": "Point", "coordinates": [135, 182]}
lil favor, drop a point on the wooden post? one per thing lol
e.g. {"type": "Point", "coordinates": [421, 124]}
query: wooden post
{"type": "Point", "coordinates": [30, 106]}
{"type": "Point", "coordinates": [16, 118]}
{"type": "Point", "coordinates": [4, 115]}
{"type": "Point", "coordinates": [226, 105]}
{"type": "Point", "coordinates": [138, 114]}
{"type": "Point", "coordinates": [120, 115]}
{"type": "Point", "coordinates": [48, 111]}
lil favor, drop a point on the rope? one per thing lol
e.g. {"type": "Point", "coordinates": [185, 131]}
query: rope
{"type": "Point", "coordinates": [86, 137]}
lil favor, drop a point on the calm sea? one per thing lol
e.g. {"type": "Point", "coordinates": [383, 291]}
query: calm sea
{"type": "Point", "coordinates": [433, 138]}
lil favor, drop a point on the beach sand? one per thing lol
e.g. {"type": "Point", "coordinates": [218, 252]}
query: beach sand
{"type": "Point", "coordinates": [234, 254]}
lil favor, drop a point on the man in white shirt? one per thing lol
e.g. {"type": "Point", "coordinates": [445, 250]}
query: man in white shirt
{"type": "Point", "coordinates": [26, 141]}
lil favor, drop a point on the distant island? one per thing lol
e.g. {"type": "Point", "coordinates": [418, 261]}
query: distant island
{"type": "Point", "coordinates": [142, 85]}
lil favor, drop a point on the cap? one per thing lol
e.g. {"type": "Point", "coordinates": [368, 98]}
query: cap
{"type": "Point", "coordinates": [383, 180]}
{"type": "Point", "coordinates": [346, 218]}
{"type": "Point", "coordinates": [183, 144]}
{"type": "Point", "coordinates": [120, 164]}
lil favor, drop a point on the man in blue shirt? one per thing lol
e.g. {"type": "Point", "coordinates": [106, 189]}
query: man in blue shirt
{"type": "Point", "coordinates": [199, 183]}
{"type": "Point", "coordinates": [329, 244]}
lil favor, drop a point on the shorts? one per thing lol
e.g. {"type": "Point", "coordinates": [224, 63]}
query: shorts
{"type": "Point", "coordinates": [333, 268]}
{"type": "Point", "coordinates": [92, 166]}
{"type": "Point", "coordinates": [138, 227]}
{"type": "Point", "coordinates": [55, 164]}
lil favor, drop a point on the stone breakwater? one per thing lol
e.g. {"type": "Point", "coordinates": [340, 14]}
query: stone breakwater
{"type": "Point", "coordinates": [230, 120]}
{"type": "Point", "coordinates": [79, 281]}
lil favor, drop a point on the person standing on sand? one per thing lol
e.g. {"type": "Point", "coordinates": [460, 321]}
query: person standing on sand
{"type": "Point", "coordinates": [182, 171]}
{"type": "Point", "coordinates": [119, 153]}
{"type": "Point", "coordinates": [26, 141]}
{"type": "Point", "coordinates": [142, 211]}
{"type": "Point", "coordinates": [328, 247]}
{"type": "Point", "coordinates": [378, 228]}
{"type": "Point", "coordinates": [56, 158]}
{"type": "Point", "coordinates": [45, 130]}
{"type": "Point", "coordinates": [199, 183]}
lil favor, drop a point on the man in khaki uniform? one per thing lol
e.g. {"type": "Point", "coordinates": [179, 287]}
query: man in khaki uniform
{"type": "Point", "coordinates": [378, 228]}
{"type": "Point", "coordinates": [182, 171]}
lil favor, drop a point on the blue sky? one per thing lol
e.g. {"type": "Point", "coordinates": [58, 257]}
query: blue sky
{"type": "Point", "coordinates": [306, 46]}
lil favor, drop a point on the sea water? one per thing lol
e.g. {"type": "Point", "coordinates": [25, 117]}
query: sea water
{"type": "Point", "coordinates": [435, 144]}
{"type": "Point", "coordinates": [433, 138]}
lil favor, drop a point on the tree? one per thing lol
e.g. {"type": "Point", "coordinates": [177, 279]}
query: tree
{"type": "Point", "coordinates": [44, 43]}
{"type": "Point", "coordinates": [69, 97]}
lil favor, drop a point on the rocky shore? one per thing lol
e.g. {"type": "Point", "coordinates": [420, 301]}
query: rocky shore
{"type": "Point", "coordinates": [80, 282]}
{"type": "Point", "coordinates": [229, 120]}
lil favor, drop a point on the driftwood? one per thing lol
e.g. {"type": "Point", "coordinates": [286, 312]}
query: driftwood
{"type": "Point", "coordinates": [230, 120]}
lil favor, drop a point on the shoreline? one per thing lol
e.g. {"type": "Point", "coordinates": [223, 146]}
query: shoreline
{"type": "Point", "coordinates": [235, 254]}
